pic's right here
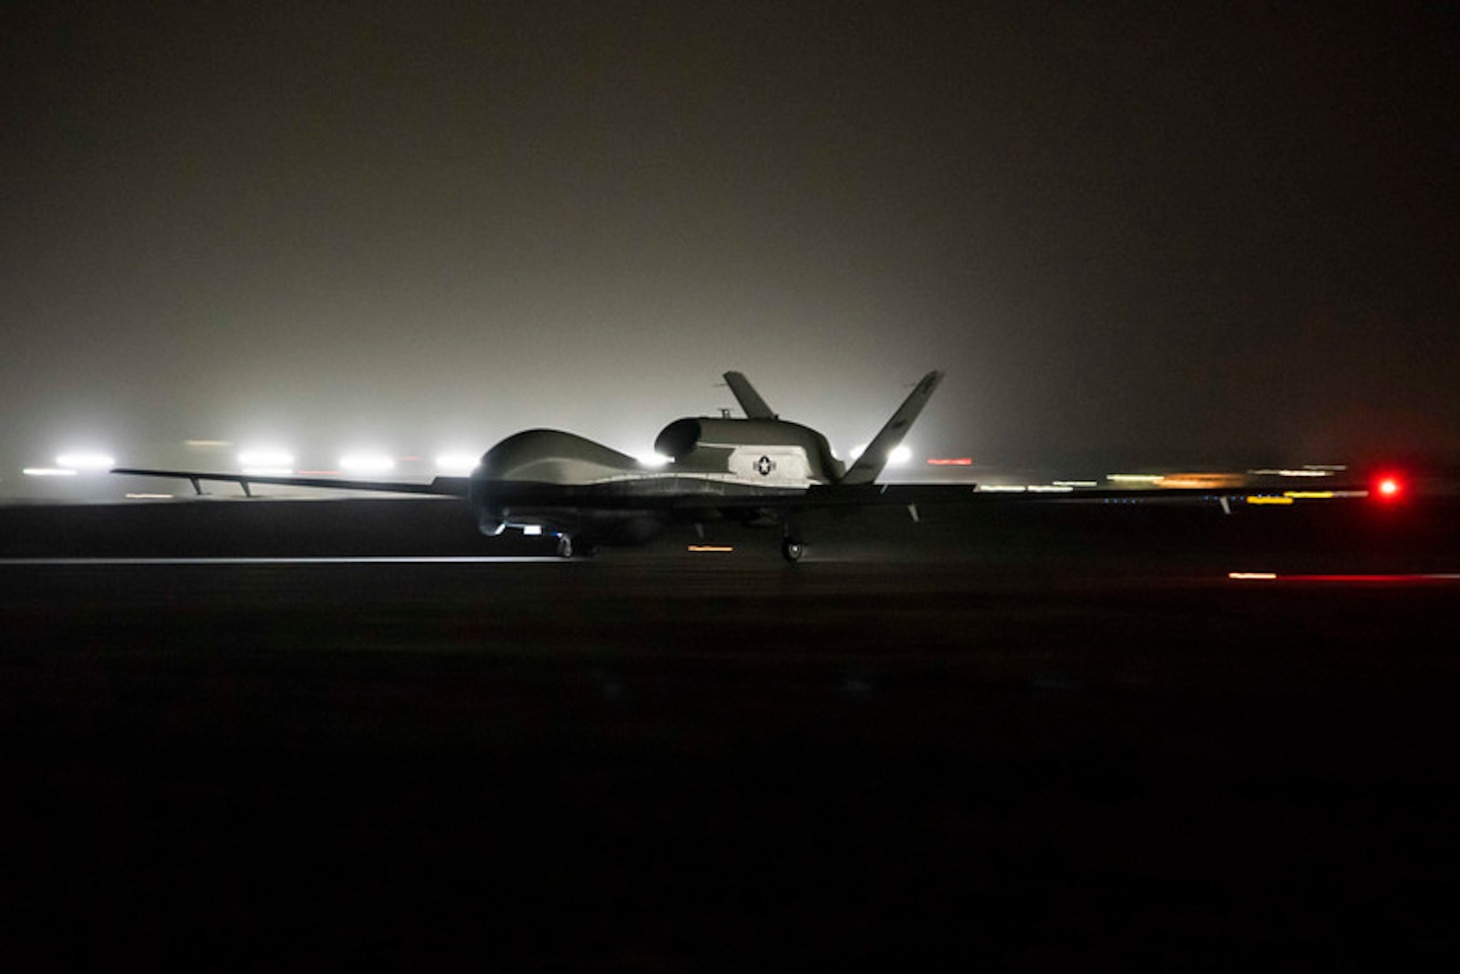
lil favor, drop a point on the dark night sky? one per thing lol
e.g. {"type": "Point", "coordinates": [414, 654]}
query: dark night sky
{"type": "Point", "coordinates": [1194, 229]}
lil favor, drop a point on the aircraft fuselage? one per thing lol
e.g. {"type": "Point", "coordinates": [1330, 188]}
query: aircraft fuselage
{"type": "Point", "coordinates": [570, 485]}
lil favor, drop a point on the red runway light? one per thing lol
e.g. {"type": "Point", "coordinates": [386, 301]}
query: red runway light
{"type": "Point", "coordinates": [1389, 488]}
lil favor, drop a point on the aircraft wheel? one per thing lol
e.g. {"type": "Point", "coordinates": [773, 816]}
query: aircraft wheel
{"type": "Point", "coordinates": [792, 549]}
{"type": "Point", "coordinates": [565, 546]}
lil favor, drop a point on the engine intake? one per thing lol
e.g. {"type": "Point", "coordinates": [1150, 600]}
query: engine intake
{"type": "Point", "coordinates": [677, 440]}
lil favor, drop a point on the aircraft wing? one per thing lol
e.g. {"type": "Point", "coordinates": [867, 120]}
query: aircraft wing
{"type": "Point", "coordinates": [442, 486]}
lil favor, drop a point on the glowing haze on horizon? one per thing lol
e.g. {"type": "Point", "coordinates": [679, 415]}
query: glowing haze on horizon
{"type": "Point", "coordinates": [1208, 228]}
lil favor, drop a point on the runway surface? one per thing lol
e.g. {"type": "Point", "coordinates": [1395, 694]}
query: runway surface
{"type": "Point", "coordinates": [287, 734]}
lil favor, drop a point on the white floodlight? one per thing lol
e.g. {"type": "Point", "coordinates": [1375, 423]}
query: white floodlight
{"type": "Point", "coordinates": [367, 463]}
{"type": "Point", "coordinates": [83, 460]}
{"type": "Point", "coordinates": [652, 459]}
{"type": "Point", "coordinates": [899, 455]}
{"type": "Point", "coordinates": [456, 462]}
{"type": "Point", "coordinates": [267, 457]}
{"type": "Point", "coordinates": [49, 472]}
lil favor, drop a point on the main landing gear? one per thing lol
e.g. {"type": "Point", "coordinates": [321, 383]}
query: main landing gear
{"type": "Point", "coordinates": [792, 547]}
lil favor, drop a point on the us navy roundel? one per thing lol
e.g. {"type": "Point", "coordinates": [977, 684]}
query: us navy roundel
{"type": "Point", "coordinates": [764, 466]}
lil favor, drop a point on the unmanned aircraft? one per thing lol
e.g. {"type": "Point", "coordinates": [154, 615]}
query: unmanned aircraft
{"type": "Point", "coordinates": [756, 470]}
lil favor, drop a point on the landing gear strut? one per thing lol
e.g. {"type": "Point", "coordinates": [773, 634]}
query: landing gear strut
{"type": "Point", "coordinates": [567, 548]}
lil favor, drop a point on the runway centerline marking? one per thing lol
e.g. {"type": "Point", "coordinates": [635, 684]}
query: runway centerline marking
{"type": "Point", "coordinates": [365, 560]}
{"type": "Point", "coordinates": [1391, 578]}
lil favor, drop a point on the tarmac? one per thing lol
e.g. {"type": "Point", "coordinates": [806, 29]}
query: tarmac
{"type": "Point", "coordinates": [298, 733]}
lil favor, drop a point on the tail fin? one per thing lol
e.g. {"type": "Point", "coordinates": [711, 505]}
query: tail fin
{"type": "Point", "coordinates": [755, 407]}
{"type": "Point", "coordinates": [874, 457]}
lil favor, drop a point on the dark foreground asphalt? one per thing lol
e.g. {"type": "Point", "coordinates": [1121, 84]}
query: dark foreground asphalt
{"type": "Point", "coordinates": [1046, 740]}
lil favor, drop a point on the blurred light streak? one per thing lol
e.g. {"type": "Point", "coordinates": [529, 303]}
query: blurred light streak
{"type": "Point", "coordinates": [950, 461]}
{"type": "Point", "coordinates": [49, 472]}
{"type": "Point", "coordinates": [1134, 478]}
{"type": "Point", "coordinates": [1001, 488]}
{"type": "Point", "coordinates": [1050, 489]}
{"type": "Point", "coordinates": [651, 459]}
{"type": "Point", "coordinates": [1310, 495]}
{"type": "Point", "coordinates": [1267, 499]}
{"type": "Point", "coordinates": [1304, 472]}
{"type": "Point", "coordinates": [207, 443]}
{"type": "Point", "coordinates": [150, 497]}
{"type": "Point", "coordinates": [1076, 483]}
{"type": "Point", "coordinates": [1199, 480]}
{"type": "Point", "coordinates": [1252, 576]}
{"type": "Point", "coordinates": [711, 547]}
